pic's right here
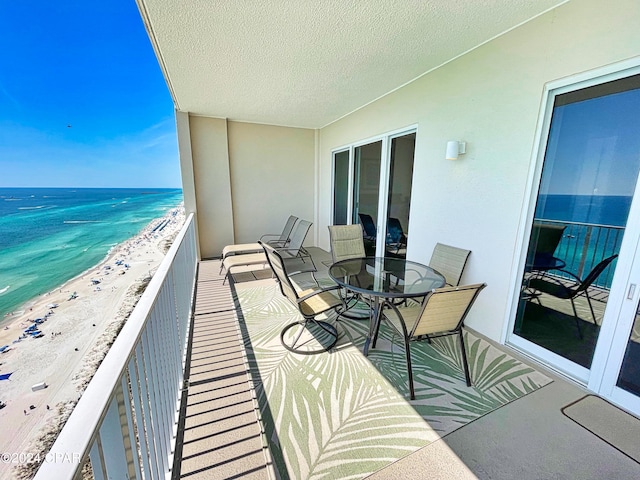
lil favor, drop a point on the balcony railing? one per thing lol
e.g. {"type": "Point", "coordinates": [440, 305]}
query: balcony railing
{"type": "Point", "coordinates": [125, 422]}
{"type": "Point", "coordinates": [584, 245]}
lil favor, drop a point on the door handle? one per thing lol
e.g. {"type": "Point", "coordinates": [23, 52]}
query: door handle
{"type": "Point", "coordinates": [632, 290]}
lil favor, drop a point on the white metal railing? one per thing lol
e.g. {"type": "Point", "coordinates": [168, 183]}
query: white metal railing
{"type": "Point", "coordinates": [126, 420]}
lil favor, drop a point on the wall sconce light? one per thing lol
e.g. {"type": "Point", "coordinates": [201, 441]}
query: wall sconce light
{"type": "Point", "coordinates": [455, 148]}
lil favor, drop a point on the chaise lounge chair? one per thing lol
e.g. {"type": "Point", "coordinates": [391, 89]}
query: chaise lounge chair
{"type": "Point", "coordinates": [273, 239]}
{"type": "Point", "coordinates": [292, 251]}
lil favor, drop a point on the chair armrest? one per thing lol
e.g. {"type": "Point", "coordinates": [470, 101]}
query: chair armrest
{"type": "Point", "coordinates": [316, 292]}
{"type": "Point", "coordinates": [266, 235]}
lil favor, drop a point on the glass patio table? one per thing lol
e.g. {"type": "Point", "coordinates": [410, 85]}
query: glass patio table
{"type": "Point", "coordinates": [383, 280]}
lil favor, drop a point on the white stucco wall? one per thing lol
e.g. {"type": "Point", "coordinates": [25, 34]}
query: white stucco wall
{"type": "Point", "coordinates": [247, 179]}
{"type": "Point", "coordinates": [210, 164]}
{"type": "Point", "coordinates": [272, 177]}
{"type": "Point", "coordinates": [491, 99]}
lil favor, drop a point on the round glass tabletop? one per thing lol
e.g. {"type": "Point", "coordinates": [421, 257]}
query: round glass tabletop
{"type": "Point", "coordinates": [386, 277]}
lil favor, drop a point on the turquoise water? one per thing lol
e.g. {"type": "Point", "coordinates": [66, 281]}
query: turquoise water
{"type": "Point", "coordinates": [594, 229]}
{"type": "Point", "coordinates": [50, 235]}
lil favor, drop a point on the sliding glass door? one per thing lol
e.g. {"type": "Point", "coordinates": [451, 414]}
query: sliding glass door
{"type": "Point", "coordinates": [366, 191]}
{"type": "Point", "coordinates": [372, 187]}
{"type": "Point", "coordinates": [585, 219]}
{"type": "Point", "coordinates": [399, 197]}
{"type": "Point", "coordinates": [341, 187]}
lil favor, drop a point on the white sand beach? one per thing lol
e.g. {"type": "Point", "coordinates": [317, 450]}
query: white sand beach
{"type": "Point", "coordinates": [76, 334]}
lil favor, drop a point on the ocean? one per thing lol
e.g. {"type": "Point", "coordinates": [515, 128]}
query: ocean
{"type": "Point", "coordinates": [594, 229]}
{"type": "Point", "coordinates": [50, 235]}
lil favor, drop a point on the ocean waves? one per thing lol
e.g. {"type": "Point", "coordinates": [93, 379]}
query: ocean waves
{"type": "Point", "coordinates": [82, 221]}
{"type": "Point", "coordinates": [41, 247]}
{"type": "Point", "coordinates": [38, 207]}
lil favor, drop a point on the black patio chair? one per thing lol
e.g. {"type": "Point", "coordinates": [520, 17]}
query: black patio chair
{"type": "Point", "coordinates": [554, 286]}
{"type": "Point", "coordinates": [368, 226]}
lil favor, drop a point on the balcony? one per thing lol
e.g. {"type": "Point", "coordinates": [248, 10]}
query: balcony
{"type": "Point", "coordinates": [187, 392]}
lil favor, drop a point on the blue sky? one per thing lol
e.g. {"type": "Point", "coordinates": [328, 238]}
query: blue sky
{"type": "Point", "coordinates": [594, 147]}
{"type": "Point", "coordinates": [83, 102]}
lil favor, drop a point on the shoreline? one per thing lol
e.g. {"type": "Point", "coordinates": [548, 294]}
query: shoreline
{"type": "Point", "coordinates": [77, 333]}
{"type": "Point", "coordinates": [8, 317]}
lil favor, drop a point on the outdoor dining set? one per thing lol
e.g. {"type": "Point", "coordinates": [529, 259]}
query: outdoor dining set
{"type": "Point", "coordinates": [419, 301]}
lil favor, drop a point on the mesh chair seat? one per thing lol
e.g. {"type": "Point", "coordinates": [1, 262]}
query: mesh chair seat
{"type": "Point", "coordinates": [318, 303]}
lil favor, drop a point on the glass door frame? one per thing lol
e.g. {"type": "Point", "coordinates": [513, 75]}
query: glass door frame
{"type": "Point", "coordinates": [612, 332]}
{"type": "Point", "coordinates": [605, 382]}
{"type": "Point", "coordinates": [383, 191]}
{"type": "Point", "coordinates": [350, 182]}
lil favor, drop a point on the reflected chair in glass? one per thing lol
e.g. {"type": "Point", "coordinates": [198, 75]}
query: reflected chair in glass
{"type": "Point", "coordinates": [556, 287]}
{"type": "Point", "coordinates": [308, 335]}
{"type": "Point", "coordinates": [441, 314]}
{"type": "Point", "coordinates": [396, 242]}
{"type": "Point", "coordinates": [369, 226]}
{"type": "Point", "coordinates": [545, 239]}
{"type": "Point", "coordinates": [347, 242]}
{"type": "Point", "coordinates": [450, 262]}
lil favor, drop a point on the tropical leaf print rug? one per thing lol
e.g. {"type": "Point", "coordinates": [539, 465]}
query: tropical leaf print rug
{"type": "Point", "coordinates": [343, 415]}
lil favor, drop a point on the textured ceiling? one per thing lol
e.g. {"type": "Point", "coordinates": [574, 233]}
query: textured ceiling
{"type": "Point", "coordinates": [306, 63]}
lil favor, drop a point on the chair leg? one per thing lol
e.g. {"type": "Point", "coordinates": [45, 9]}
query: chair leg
{"type": "Point", "coordinates": [591, 307]}
{"type": "Point", "coordinates": [327, 328]}
{"type": "Point", "coordinates": [575, 314]}
{"type": "Point", "coordinates": [465, 363]}
{"type": "Point", "coordinates": [376, 324]}
{"type": "Point", "coordinates": [351, 316]}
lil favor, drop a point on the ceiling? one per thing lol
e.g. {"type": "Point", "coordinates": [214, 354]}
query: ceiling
{"type": "Point", "coordinates": [307, 63]}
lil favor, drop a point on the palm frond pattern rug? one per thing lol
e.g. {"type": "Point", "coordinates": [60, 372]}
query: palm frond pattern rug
{"type": "Point", "coordinates": [343, 415]}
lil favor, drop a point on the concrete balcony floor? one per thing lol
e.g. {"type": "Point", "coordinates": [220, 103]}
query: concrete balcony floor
{"type": "Point", "coordinates": [220, 434]}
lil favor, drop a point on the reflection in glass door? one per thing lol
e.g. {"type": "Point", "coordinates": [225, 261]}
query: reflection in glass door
{"type": "Point", "coordinates": [340, 187]}
{"type": "Point", "coordinates": [366, 191]}
{"type": "Point", "coordinates": [399, 198]}
{"type": "Point", "coordinates": [629, 376]}
{"type": "Point", "coordinates": [588, 180]}
{"type": "Point", "coordinates": [372, 187]}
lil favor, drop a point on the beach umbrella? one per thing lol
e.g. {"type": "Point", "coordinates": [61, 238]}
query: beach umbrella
{"type": "Point", "coordinates": [5, 376]}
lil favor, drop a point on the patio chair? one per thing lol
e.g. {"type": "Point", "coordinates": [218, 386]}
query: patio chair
{"type": "Point", "coordinates": [280, 240]}
{"type": "Point", "coordinates": [274, 239]}
{"type": "Point", "coordinates": [297, 336]}
{"type": "Point", "coordinates": [555, 287]}
{"type": "Point", "coordinates": [396, 239]}
{"type": "Point", "coordinates": [450, 262]}
{"type": "Point", "coordinates": [368, 226]}
{"type": "Point", "coordinates": [292, 251]}
{"type": "Point", "coordinates": [346, 242]}
{"type": "Point", "coordinates": [544, 241]}
{"type": "Point", "coordinates": [441, 314]}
